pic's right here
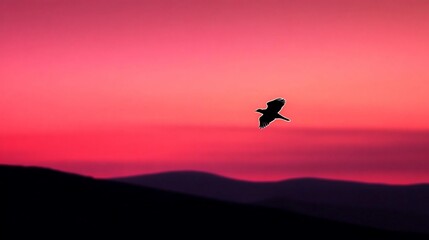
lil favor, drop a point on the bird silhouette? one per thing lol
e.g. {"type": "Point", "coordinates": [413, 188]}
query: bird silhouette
{"type": "Point", "coordinates": [272, 112]}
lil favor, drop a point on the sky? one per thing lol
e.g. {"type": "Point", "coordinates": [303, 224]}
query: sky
{"type": "Point", "coordinates": [113, 88]}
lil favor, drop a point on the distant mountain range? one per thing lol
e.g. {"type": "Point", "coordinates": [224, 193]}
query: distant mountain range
{"type": "Point", "coordinates": [39, 203]}
{"type": "Point", "coordinates": [383, 206]}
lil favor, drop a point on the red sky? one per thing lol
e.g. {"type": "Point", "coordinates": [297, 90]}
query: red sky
{"type": "Point", "coordinates": [110, 88]}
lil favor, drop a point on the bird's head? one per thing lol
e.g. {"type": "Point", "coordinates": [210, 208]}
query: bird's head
{"type": "Point", "coordinates": [259, 110]}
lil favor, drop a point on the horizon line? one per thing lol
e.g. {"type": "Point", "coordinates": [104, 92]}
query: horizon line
{"type": "Point", "coordinates": [222, 176]}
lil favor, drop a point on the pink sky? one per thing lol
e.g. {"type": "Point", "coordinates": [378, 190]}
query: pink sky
{"type": "Point", "coordinates": [110, 88]}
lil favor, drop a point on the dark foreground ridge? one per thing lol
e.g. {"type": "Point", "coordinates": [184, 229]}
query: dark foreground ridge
{"type": "Point", "coordinates": [45, 204]}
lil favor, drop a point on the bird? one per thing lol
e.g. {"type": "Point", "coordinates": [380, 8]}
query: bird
{"type": "Point", "coordinates": [272, 112]}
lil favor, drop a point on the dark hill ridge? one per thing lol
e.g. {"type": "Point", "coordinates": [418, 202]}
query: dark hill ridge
{"type": "Point", "coordinates": [403, 207]}
{"type": "Point", "coordinates": [45, 204]}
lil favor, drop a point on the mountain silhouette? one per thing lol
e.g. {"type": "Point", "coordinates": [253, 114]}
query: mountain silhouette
{"type": "Point", "coordinates": [45, 204]}
{"type": "Point", "coordinates": [377, 205]}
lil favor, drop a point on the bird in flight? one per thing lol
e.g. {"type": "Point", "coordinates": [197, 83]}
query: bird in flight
{"type": "Point", "coordinates": [272, 112]}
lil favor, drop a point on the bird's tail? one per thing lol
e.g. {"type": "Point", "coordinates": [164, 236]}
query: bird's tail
{"type": "Point", "coordinates": [286, 119]}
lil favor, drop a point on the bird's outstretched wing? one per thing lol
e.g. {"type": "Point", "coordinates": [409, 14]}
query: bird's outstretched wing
{"type": "Point", "coordinates": [264, 120]}
{"type": "Point", "coordinates": [276, 105]}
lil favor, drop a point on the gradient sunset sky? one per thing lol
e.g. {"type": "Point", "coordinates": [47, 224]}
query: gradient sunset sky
{"type": "Point", "coordinates": [115, 87]}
